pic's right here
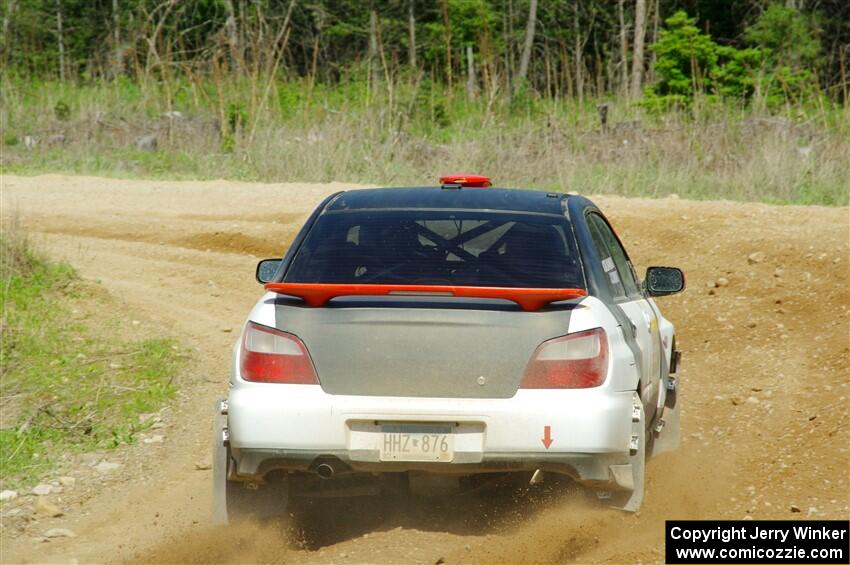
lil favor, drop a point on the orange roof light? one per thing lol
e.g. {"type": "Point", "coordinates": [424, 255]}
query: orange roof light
{"type": "Point", "coordinates": [475, 181]}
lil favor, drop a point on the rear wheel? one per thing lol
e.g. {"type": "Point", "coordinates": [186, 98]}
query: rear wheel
{"type": "Point", "coordinates": [234, 500]}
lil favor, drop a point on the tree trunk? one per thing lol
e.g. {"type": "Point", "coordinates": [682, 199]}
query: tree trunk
{"type": "Point", "coordinates": [61, 40]}
{"type": "Point", "coordinates": [527, 45]}
{"type": "Point", "coordinates": [447, 25]}
{"type": "Point", "coordinates": [314, 68]}
{"type": "Point", "coordinates": [637, 60]}
{"type": "Point", "coordinates": [374, 71]}
{"type": "Point", "coordinates": [577, 48]}
{"type": "Point", "coordinates": [568, 84]}
{"type": "Point", "coordinates": [656, 19]}
{"type": "Point", "coordinates": [116, 24]}
{"type": "Point", "coordinates": [471, 84]}
{"type": "Point", "coordinates": [600, 75]}
{"type": "Point", "coordinates": [486, 58]}
{"type": "Point", "coordinates": [624, 50]}
{"type": "Point", "coordinates": [153, 58]}
{"type": "Point", "coordinates": [7, 24]}
{"type": "Point", "coordinates": [232, 28]}
{"type": "Point", "coordinates": [7, 19]}
{"type": "Point", "coordinates": [411, 24]}
{"type": "Point", "coordinates": [843, 75]}
{"type": "Point", "coordinates": [241, 24]}
{"type": "Point", "coordinates": [117, 50]}
{"type": "Point", "coordinates": [508, 26]}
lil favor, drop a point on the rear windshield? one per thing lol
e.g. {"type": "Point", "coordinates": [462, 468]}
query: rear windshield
{"type": "Point", "coordinates": [440, 247]}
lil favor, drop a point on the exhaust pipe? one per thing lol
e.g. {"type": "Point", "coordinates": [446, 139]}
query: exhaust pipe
{"type": "Point", "coordinates": [325, 470]}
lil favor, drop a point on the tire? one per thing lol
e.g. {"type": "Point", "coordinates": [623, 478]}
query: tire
{"type": "Point", "coordinates": [235, 500]}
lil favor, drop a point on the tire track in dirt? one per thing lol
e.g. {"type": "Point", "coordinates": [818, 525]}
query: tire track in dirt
{"type": "Point", "coordinates": [765, 340]}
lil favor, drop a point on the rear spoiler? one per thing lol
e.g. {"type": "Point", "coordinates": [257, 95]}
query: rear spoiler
{"type": "Point", "coordinates": [529, 299]}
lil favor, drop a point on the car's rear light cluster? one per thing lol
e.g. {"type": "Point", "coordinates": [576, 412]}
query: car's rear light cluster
{"type": "Point", "coordinates": [578, 360]}
{"type": "Point", "coordinates": [272, 356]}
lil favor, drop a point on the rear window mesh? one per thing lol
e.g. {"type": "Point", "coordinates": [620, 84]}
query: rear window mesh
{"type": "Point", "coordinates": [439, 247]}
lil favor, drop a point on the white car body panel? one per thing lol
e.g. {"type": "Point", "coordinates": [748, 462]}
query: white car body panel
{"type": "Point", "coordinates": [304, 417]}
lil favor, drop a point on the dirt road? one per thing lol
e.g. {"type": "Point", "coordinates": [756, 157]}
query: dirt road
{"type": "Point", "coordinates": [763, 328]}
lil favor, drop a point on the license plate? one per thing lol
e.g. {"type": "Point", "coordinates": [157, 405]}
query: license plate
{"type": "Point", "coordinates": [417, 443]}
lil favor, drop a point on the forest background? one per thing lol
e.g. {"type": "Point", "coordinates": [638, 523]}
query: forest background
{"type": "Point", "coordinates": [744, 99]}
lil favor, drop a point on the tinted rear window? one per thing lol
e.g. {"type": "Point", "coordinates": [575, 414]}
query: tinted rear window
{"type": "Point", "coordinates": [464, 248]}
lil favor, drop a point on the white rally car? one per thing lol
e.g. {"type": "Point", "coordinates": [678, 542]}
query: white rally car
{"type": "Point", "coordinates": [457, 330]}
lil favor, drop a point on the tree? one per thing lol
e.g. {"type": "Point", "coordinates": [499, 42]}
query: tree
{"type": "Point", "coordinates": [581, 45]}
{"type": "Point", "coordinates": [791, 53]}
{"type": "Point", "coordinates": [411, 25]}
{"type": "Point", "coordinates": [7, 21]}
{"type": "Point", "coordinates": [60, 39]}
{"type": "Point", "coordinates": [686, 59]}
{"type": "Point", "coordinates": [117, 63]}
{"type": "Point", "coordinates": [577, 49]}
{"type": "Point", "coordinates": [232, 29]}
{"type": "Point", "coordinates": [471, 84]}
{"type": "Point", "coordinates": [624, 50]}
{"type": "Point", "coordinates": [786, 34]}
{"type": "Point", "coordinates": [527, 45]}
{"type": "Point", "coordinates": [637, 61]}
{"type": "Point", "coordinates": [373, 46]}
{"type": "Point", "coordinates": [447, 30]}
{"type": "Point", "coordinates": [689, 63]}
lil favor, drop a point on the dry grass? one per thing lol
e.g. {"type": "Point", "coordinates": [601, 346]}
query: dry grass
{"type": "Point", "coordinates": [17, 255]}
{"type": "Point", "coordinates": [722, 153]}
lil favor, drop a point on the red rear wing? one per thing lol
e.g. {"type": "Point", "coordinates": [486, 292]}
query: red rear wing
{"type": "Point", "coordinates": [529, 299]}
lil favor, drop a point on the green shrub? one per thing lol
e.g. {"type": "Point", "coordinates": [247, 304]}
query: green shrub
{"type": "Point", "coordinates": [686, 60]}
{"type": "Point", "coordinates": [62, 111]}
{"type": "Point", "coordinates": [430, 110]}
{"type": "Point", "coordinates": [778, 65]}
{"type": "Point", "coordinates": [792, 52]}
{"type": "Point", "coordinates": [737, 71]}
{"type": "Point", "coordinates": [786, 35]}
{"type": "Point", "coordinates": [237, 116]}
{"type": "Point", "coordinates": [288, 99]}
{"type": "Point", "coordinates": [228, 143]}
{"type": "Point", "coordinates": [689, 62]}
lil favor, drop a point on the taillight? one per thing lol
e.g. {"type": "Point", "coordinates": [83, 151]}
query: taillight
{"type": "Point", "coordinates": [273, 356]}
{"type": "Point", "coordinates": [578, 360]}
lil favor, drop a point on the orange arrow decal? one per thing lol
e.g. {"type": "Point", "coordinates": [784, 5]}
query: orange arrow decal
{"type": "Point", "coordinates": [547, 436]}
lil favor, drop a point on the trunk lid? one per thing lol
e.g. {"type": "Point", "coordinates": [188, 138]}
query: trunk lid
{"type": "Point", "coordinates": [425, 347]}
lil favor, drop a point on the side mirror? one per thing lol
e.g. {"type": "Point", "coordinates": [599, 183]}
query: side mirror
{"type": "Point", "coordinates": [661, 281]}
{"type": "Point", "coordinates": [266, 270]}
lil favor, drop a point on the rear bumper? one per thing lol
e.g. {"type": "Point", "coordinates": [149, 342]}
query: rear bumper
{"type": "Point", "coordinates": [603, 468]}
{"type": "Point", "coordinates": [294, 426]}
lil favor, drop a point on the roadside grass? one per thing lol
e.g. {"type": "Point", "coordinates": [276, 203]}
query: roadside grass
{"type": "Point", "coordinates": [66, 385]}
{"type": "Point", "coordinates": [413, 132]}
